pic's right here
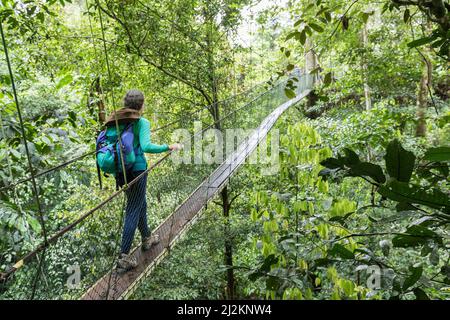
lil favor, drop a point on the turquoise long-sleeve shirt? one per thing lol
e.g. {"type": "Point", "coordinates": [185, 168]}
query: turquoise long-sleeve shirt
{"type": "Point", "coordinates": [142, 138]}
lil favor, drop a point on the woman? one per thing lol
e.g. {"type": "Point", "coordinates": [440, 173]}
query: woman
{"type": "Point", "coordinates": [136, 210]}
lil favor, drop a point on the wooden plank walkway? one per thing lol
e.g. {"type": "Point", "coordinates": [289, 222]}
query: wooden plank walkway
{"type": "Point", "coordinates": [118, 286]}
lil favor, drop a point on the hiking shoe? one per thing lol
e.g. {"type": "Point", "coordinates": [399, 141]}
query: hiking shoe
{"type": "Point", "coordinates": [148, 242]}
{"type": "Point", "coordinates": [126, 262]}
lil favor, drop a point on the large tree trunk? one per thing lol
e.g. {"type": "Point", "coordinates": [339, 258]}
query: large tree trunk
{"type": "Point", "coordinates": [215, 112]}
{"type": "Point", "coordinates": [365, 71]}
{"type": "Point", "coordinates": [424, 87]}
{"type": "Point", "coordinates": [214, 108]}
{"type": "Point", "coordinates": [228, 245]}
{"type": "Point", "coordinates": [311, 63]}
{"type": "Point", "coordinates": [422, 92]}
{"type": "Point", "coordinates": [96, 94]}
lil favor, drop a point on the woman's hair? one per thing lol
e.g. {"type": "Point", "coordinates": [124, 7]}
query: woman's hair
{"type": "Point", "coordinates": [134, 99]}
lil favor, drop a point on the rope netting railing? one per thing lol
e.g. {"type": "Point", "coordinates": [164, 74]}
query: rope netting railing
{"type": "Point", "coordinates": [88, 248]}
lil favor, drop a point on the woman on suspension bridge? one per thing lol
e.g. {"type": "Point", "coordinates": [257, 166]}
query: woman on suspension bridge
{"type": "Point", "coordinates": [135, 141]}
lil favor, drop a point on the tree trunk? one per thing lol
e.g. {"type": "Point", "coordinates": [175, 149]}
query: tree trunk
{"type": "Point", "coordinates": [214, 109]}
{"type": "Point", "coordinates": [422, 92]}
{"type": "Point", "coordinates": [96, 93]}
{"type": "Point", "coordinates": [215, 112]}
{"type": "Point", "coordinates": [228, 245]}
{"type": "Point", "coordinates": [310, 59]}
{"type": "Point", "coordinates": [365, 71]}
{"type": "Point", "coordinates": [311, 64]}
{"type": "Point", "coordinates": [424, 87]}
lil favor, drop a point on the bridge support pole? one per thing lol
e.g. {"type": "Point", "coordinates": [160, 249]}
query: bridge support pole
{"type": "Point", "coordinates": [230, 292]}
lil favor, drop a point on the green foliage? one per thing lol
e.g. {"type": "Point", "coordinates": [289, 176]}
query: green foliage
{"type": "Point", "coordinates": [437, 154]}
{"type": "Point", "coordinates": [355, 187]}
{"type": "Point", "coordinates": [399, 162]}
{"type": "Point", "coordinates": [430, 204]}
{"type": "Point", "coordinates": [317, 228]}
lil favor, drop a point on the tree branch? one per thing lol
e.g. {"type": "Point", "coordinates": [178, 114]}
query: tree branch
{"type": "Point", "coordinates": [110, 13]}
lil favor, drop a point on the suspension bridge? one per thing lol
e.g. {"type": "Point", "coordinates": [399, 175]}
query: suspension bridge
{"type": "Point", "coordinates": [113, 285]}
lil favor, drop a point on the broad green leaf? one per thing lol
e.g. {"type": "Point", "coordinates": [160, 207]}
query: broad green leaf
{"type": "Point", "coordinates": [403, 206]}
{"type": "Point", "coordinates": [399, 162]}
{"type": "Point", "coordinates": [420, 42]}
{"type": "Point", "coordinates": [290, 67]}
{"type": "Point", "coordinates": [437, 154]}
{"type": "Point", "coordinates": [268, 262]}
{"type": "Point", "coordinates": [405, 241]}
{"type": "Point", "coordinates": [309, 7]}
{"type": "Point", "coordinates": [301, 37]}
{"type": "Point", "coordinates": [365, 17]}
{"type": "Point", "coordinates": [439, 43]}
{"type": "Point", "coordinates": [351, 158]}
{"type": "Point", "coordinates": [41, 16]}
{"type": "Point", "coordinates": [289, 93]}
{"type": "Point", "coordinates": [420, 230]}
{"type": "Point", "coordinates": [406, 15]}
{"type": "Point", "coordinates": [298, 22]}
{"type": "Point", "coordinates": [341, 251]}
{"type": "Point", "coordinates": [322, 262]}
{"type": "Point", "coordinates": [415, 275]}
{"type": "Point", "coordinates": [327, 79]}
{"type": "Point", "coordinates": [404, 192]}
{"type": "Point", "coordinates": [369, 170]}
{"type": "Point", "coordinates": [316, 27]}
{"type": "Point", "coordinates": [34, 223]}
{"type": "Point", "coordinates": [332, 163]}
{"type": "Point", "coordinates": [420, 294]}
{"type": "Point", "coordinates": [308, 31]}
{"type": "Point", "coordinates": [292, 35]}
{"type": "Point", "coordinates": [64, 81]}
{"type": "Point", "coordinates": [415, 235]}
{"type": "Point", "coordinates": [442, 168]}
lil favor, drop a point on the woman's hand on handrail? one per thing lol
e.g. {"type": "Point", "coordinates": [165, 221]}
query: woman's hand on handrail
{"type": "Point", "coordinates": [175, 147]}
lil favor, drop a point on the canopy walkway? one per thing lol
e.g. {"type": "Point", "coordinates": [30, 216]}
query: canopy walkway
{"type": "Point", "coordinates": [114, 285]}
{"type": "Point", "coordinates": [44, 272]}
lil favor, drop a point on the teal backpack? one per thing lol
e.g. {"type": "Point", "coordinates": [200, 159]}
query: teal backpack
{"type": "Point", "coordinates": [108, 153]}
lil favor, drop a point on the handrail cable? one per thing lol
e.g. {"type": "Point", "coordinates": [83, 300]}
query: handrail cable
{"type": "Point", "coordinates": [30, 164]}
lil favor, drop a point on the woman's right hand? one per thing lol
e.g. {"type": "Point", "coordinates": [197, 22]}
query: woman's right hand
{"type": "Point", "coordinates": [175, 147]}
